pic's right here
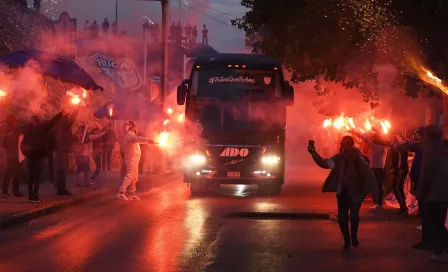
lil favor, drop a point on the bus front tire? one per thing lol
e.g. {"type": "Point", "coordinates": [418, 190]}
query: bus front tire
{"type": "Point", "coordinates": [197, 189]}
{"type": "Point", "coordinates": [270, 189]}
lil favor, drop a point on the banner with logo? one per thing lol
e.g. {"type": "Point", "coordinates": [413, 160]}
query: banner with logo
{"type": "Point", "coordinates": [120, 65]}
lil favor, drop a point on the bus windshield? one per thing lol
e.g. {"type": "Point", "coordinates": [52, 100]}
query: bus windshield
{"type": "Point", "coordinates": [242, 100]}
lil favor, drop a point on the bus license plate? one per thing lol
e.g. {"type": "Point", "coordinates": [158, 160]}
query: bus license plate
{"type": "Point", "coordinates": [233, 174]}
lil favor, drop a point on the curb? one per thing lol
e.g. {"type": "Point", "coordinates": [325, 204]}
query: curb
{"type": "Point", "coordinates": [22, 217]}
{"type": "Point", "coordinates": [28, 215]}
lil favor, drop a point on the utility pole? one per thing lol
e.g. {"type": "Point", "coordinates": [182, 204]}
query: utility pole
{"type": "Point", "coordinates": [180, 10]}
{"type": "Point", "coordinates": [164, 68]}
{"type": "Point", "coordinates": [116, 11]}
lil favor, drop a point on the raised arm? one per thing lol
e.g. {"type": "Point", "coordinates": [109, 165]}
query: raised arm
{"type": "Point", "coordinates": [329, 163]}
{"type": "Point", "coordinates": [54, 121]}
{"type": "Point", "coordinates": [137, 139]}
{"type": "Point", "coordinates": [96, 136]}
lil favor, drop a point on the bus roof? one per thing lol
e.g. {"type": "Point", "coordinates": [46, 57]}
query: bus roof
{"type": "Point", "coordinates": [252, 61]}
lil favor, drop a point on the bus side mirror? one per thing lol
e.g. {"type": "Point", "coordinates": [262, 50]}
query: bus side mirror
{"type": "Point", "coordinates": [288, 93]}
{"type": "Point", "coordinates": [182, 91]}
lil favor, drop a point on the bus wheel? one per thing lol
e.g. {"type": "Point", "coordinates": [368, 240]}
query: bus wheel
{"type": "Point", "coordinates": [270, 189]}
{"type": "Point", "coordinates": [197, 189]}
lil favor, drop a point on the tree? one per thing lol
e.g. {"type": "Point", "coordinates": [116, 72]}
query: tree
{"type": "Point", "coordinates": [343, 40]}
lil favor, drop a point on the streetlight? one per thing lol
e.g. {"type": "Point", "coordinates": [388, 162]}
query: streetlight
{"type": "Point", "coordinates": [164, 66]}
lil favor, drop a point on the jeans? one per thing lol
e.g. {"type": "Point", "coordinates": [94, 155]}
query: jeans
{"type": "Point", "coordinates": [380, 175]}
{"type": "Point", "coordinates": [425, 221]}
{"type": "Point", "coordinates": [62, 158]}
{"type": "Point", "coordinates": [398, 187]}
{"type": "Point", "coordinates": [131, 177]}
{"type": "Point", "coordinates": [50, 159]}
{"type": "Point", "coordinates": [97, 159]}
{"type": "Point", "coordinates": [107, 157]}
{"type": "Point", "coordinates": [346, 206]}
{"type": "Point", "coordinates": [83, 166]}
{"type": "Point", "coordinates": [123, 166]}
{"type": "Point", "coordinates": [35, 168]}
{"type": "Point", "coordinates": [437, 212]}
{"type": "Point", "coordinates": [142, 161]}
{"type": "Point", "coordinates": [12, 174]}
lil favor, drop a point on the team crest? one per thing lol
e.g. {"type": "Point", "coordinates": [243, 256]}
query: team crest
{"type": "Point", "coordinates": [267, 80]}
{"type": "Point", "coordinates": [122, 71]}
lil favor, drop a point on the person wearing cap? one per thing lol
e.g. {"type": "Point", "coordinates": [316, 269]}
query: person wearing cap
{"type": "Point", "coordinates": [351, 178]}
{"type": "Point", "coordinates": [432, 189]}
{"type": "Point", "coordinates": [132, 154]}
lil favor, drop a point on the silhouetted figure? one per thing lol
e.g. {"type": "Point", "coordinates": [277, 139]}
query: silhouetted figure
{"type": "Point", "coordinates": [180, 32]}
{"type": "Point", "coordinates": [105, 26]}
{"type": "Point", "coordinates": [173, 32]}
{"type": "Point", "coordinates": [205, 35]}
{"type": "Point", "coordinates": [87, 28]}
{"type": "Point", "coordinates": [188, 30]}
{"type": "Point", "coordinates": [94, 29]}
{"type": "Point", "coordinates": [36, 5]}
{"type": "Point", "coordinates": [194, 34]}
{"type": "Point", "coordinates": [115, 28]}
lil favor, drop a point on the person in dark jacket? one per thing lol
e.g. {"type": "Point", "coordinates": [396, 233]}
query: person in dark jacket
{"type": "Point", "coordinates": [432, 190]}
{"type": "Point", "coordinates": [35, 148]}
{"type": "Point", "coordinates": [416, 146]}
{"type": "Point", "coordinates": [96, 137]}
{"type": "Point", "coordinates": [11, 146]}
{"type": "Point", "coordinates": [351, 178]}
{"type": "Point", "coordinates": [399, 168]}
{"type": "Point", "coordinates": [64, 146]}
{"type": "Point", "coordinates": [109, 141]}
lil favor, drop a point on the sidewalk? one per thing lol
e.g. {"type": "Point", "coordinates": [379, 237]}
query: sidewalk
{"type": "Point", "coordinates": [14, 211]}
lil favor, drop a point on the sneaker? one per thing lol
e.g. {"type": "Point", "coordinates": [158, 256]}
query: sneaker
{"type": "Point", "coordinates": [402, 212]}
{"type": "Point", "coordinates": [355, 242]}
{"type": "Point", "coordinates": [35, 199]}
{"type": "Point", "coordinates": [419, 227]}
{"type": "Point", "coordinates": [64, 193]}
{"type": "Point", "coordinates": [378, 207]}
{"type": "Point", "coordinates": [421, 245]}
{"type": "Point", "coordinates": [441, 258]}
{"type": "Point", "coordinates": [134, 197]}
{"type": "Point", "coordinates": [347, 245]}
{"type": "Point", "coordinates": [122, 196]}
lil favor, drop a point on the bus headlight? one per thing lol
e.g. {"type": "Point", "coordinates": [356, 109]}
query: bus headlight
{"type": "Point", "coordinates": [270, 160]}
{"type": "Point", "coordinates": [196, 160]}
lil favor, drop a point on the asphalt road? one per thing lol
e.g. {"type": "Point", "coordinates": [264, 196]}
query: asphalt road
{"type": "Point", "coordinates": [236, 230]}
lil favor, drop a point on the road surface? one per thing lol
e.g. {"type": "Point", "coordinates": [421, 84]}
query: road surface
{"type": "Point", "coordinates": [170, 231]}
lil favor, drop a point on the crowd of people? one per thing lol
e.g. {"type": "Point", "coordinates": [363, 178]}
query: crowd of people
{"type": "Point", "coordinates": [39, 141]}
{"type": "Point", "coordinates": [92, 30]}
{"type": "Point", "coordinates": [356, 172]}
{"type": "Point", "coordinates": [187, 34]}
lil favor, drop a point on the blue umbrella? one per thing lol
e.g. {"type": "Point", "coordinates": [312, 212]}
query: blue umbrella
{"type": "Point", "coordinates": [146, 111]}
{"type": "Point", "coordinates": [52, 65]}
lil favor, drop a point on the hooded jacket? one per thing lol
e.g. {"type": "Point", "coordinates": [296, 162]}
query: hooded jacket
{"type": "Point", "coordinates": [131, 145]}
{"type": "Point", "coordinates": [360, 179]}
{"type": "Point", "coordinates": [433, 184]}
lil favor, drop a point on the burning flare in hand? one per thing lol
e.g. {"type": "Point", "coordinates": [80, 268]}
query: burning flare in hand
{"type": "Point", "coordinates": [162, 139]}
{"type": "Point", "coordinates": [2, 93]}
